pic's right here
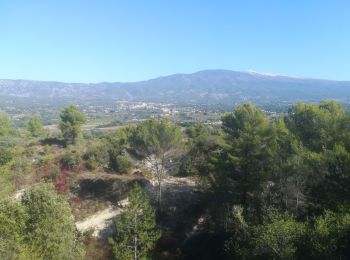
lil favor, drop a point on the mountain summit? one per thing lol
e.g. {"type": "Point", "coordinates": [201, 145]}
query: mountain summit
{"type": "Point", "coordinates": [203, 87]}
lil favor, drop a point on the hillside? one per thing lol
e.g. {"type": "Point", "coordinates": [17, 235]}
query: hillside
{"type": "Point", "coordinates": [203, 87]}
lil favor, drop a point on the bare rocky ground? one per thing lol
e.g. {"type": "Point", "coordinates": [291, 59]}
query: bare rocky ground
{"type": "Point", "coordinates": [101, 222]}
{"type": "Point", "coordinates": [102, 197]}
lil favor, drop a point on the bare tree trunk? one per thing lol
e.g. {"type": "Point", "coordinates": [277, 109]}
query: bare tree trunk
{"type": "Point", "coordinates": [158, 167]}
{"type": "Point", "coordinates": [297, 200]}
{"type": "Point", "coordinates": [135, 239]}
{"type": "Point", "coordinates": [160, 194]}
{"type": "Point", "coordinates": [159, 180]}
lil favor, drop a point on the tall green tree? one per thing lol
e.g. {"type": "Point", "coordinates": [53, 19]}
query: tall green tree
{"type": "Point", "coordinates": [199, 144]}
{"type": "Point", "coordinates": [35, 126]}
{"type": "Point", "coordinates": [136, 231]}
{"type": "Point", "coordinates": [294, 169]}
{"type": "Point", "coordinates": [246, 155]}
{"type": "Point", "coordinates": [158, 142]}
{"type": "Point", "coordinates": [71, 121]}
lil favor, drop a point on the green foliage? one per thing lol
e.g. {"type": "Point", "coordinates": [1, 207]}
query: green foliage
{"type": "Point", "coordinates": [6, 128]}
{"type": "Point", "coordinates": [197, 132]}
{"type": "Point", "coordinates": [329, 235]}
{"type": "Point", "coordinates": [7, 158]}
{"type": "Point", "coordinates": [40, 227]}
{"type": "Point", "coordinates": [119, 160]}
{"type": "Point", "coordinates": [297, 164]}
{"type": "Point", "coordinates": [12, 224]}
{"type": "Point", "coordinates": [6, 155]}
{"type": "Point", "coordinates": [35, 126]}
{"type": "Point", "coordinates": [6, 183]}
{"type": "Point", "coordinates": [121, 163]}
{"type": "Point", "coordinates": [50, 227]}
{"type": "Point", "coordinates": [71, 158]}
{"type": "Point", "coordinates": [46, 156]}
{"type": "Point", "coordinates": [154, 137]}
{"type": "Point", "coordinates": [318, 126]}
{"type": "Point", "coordinates": [199, 145]}
{"type": "Point", "coordinates": [247, 153]}
{"type": "Point", "coordinates": [239, 246]}
{"type": "Point", "coordinates": [96, 155]}
{"type": "Point", "coordinates": [333, 189]}
{"type": "Point", "coordinates": [136, 231]}
{"type": "Point", "coordinates": [159, 142]}
{"type": "Point", "coordinates": [278, 237]}
{"type": "Point", "coordinates": [70, 124]}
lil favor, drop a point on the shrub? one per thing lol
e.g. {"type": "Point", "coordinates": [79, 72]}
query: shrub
{"type": "Point", "coordinates": [329, 235]}
{"type": "Point", "coordinates": [70, 159]}
{"type": "Point", "coordinates": [278, 237]}
{"type": "Point", "coordinates": [6, 155]}
{"type": "Point", "coordinates": [119, 162]}
{"type": "Point", "coordinates": [123, 163]}
{"type": "Point", "coordinates": [96, 156]}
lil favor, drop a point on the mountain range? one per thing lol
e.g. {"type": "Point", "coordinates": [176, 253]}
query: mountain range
{"type": "Point", "coordinates": [203, 87]}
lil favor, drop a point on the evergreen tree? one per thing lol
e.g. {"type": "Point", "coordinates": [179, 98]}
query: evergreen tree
{"type": "Point", "coordinates": [50, 228]}
{"type": "Point", "coordinates": [70, 124]}
{"type": "Point", "coordinates": [35, 126]}
{"type": "Point", "coordinates": [319, 127]}
{"type": "Point", "coordinates": [247, 153]}
{"type": "Point", "coordinates": [39, 227]}
{"type": "Point", "coordinates": [158, 142]}
{"type": "Point", "coordinates": [136, 232]}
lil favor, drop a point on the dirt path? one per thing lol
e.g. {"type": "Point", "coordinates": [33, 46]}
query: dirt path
{"type": "Point", "coordinates": [101, 222]}
{"type": "Point", "coordinates": [18, 194]}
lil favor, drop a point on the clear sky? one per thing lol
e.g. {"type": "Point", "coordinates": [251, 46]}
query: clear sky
{"type": "Point", "coordinates": [100, 40]}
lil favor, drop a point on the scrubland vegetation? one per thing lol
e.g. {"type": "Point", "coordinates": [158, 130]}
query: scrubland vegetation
{"type": "Point", "coordinates": [254, 187]}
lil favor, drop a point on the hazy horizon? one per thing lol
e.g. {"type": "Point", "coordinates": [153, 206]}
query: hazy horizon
{"type": "Point", "coordinates": [250, 71]}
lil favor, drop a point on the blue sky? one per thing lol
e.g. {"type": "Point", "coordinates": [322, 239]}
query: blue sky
{"type": "Point", "coordinates": [94, 41]}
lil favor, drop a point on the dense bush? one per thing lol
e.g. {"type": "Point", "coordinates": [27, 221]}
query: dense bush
{"type": "Point", "coordinates": [96, 156]}
{"type": "Point", "coordinates": [121, 163]}
{"type": "Point", "coordinates": [39, 227]}
{"type": "Point", "coordinates": [35, 126]}
{"type": "Point", "coordinates": [6, 155]}
{"type": "Point", "coordinates": [329, 235]}
{"type": "Point", "coordinates": [119, 160]}
{"type": "Point", "coordinates": [71, 159]}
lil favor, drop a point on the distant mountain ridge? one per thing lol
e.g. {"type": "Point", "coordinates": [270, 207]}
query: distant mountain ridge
{"type": "Point", "coordinates": [203, 87]}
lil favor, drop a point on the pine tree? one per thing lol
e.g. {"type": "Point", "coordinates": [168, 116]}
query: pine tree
{"type": "Point", "coordinates": [35, 126]}
{"type": "Point", "coordinates": [136, 232]}
{"type": "Point", "coordinates": [247, 153]}
{"type": "Point", "coordinates": [158, 142]}
{"type": "Point", "coordinates": [70, 124]}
